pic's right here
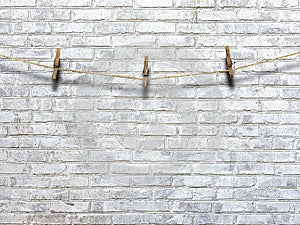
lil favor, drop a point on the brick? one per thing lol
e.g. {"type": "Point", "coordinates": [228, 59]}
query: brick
{"type": "Point", "coordinates": [12, 3]}
{"type": "Point", "coordinates": [73, 104]}
{"type": "Point", "coordinates": [70, 207]}
{"type": "Point", "coordinates": [155, 130]}
{"type": "Point", "coordinates": [255, 169]}
{"type": "Point", "coordinates": [278, 4]}
{"type": "Point", "coordinates": [15, 14]}
{"type": "Point", "coordinates": [195, 28]}
{"type": "Point", "coordinates": [3, 155]}
{"type": "Point", "coordinates": [67, 182]}
{"type": "Point", "coordinates": [153, 156]}
{"type": "Point", "coordinates": [145, 40]}
{"type": "Point", "coordinates": [225, 194]}
{"type": "Point", "coordinates": [230, 207]}
{"type": "Point", "coordinates": [256, 194]}
{"type": "Point", "coordinates": [72, 27]}
{"type": "Point", "coordinates": [7, 116]}
{"type": "Point", "coordinates": [213, 169]}
{"type": "Point", "coordinates": [171, 169]}
{"type": "Point", "coordinates": [280, 130]}
{"type": "Point", "coordinates": [255, 15]}
{"type": "Point", "coordinates": [172, 219]}
{"type": "Point", "coordinates": [114, 28]}
{"type": "Point", "coordinates": [174, 15]}
{"type": "Point", "coordinates": [4, 28]}
{"type": "Point", "coordinates": [91, 41]}
{"type": "Point", "coordinates": [241, 156]}
{"type": "Point", "coordinates": [110, 156]}
{"type": "Point", "coordinates": [44, 40]}
{"type": "Point", "coordinates": [275, 207]}
{"type": "Point", "coordinates": [238, 105]}
{"type": "Point", "coordinates": [216, 15]}
{"type": "Point", "coordinates": [151, 181]}
{"type": "Point", "coordinates": [78, 53]}
{"type": "Point", "coordinates": [50, 194]}
{"type": "Point", "coordinates": [256, 219]}
{"type": "Point", "coordinates": [28, 181]}
{"type": "Point", "coordinates": [155, 27]}
{"type": "Point", "coordinates": [204, 193]}
{"type": "Point", "coordinates": [14, 218]}
{"type": "Point", "coordinates": [72, 3]}
{"type": "Point", "coordinates": [151, 206]}
{"type": "Point", "coordinates": [282, 182]}
{"type": "Point", "coordinates": [7, 194]}
{"type": "Point", "coordinates": [134, 14]}
{"type": "Point", "coordinates": [22, 206]}
{"type": "Point", "coordinates": [87, 168]}
{"type": "Point", "coordinates": [181, 41]}
{"type": "Point", "coordinates": [10, 168]}
{"type": "Point", "coordinates": [289, 194]}
{"type": "Point", "coordinates": [132, 193]}
{"type": "Point", "coordinates": [21, 104]}
{"type": "Point", "coordinates": [193, 181]}
{"type": "Point", "coordinates": [99, 14]}
{"type": "Point", "coordinates": [196, 130]}
{"type": "Point", "coordinates": [235, 181]}
{"type": "Point", "coordinates": [287, 169]}
{"type": "Point", "coordinates": [46, 218]}
{"type": "Point", "coordinates": [246, 3]}
{"type": "Point", "coordinates": [153, 3]}
{"type": "Point", "coordinates": [240, 131]}
{"type": "Point", "coordinates": [31, 27]}
{"type": "Point", "coordinates": [191, 207]}
{"type": "Point", "coordinates": [129, 169]}
{"type": "Point", "coordinates": [27, 156]}
{"type": "Point", "coordinates": [12, 40]}
{"type": "Point", "coordinates": [49, 14]}
{"type": "Point", "coordinates": [110, 181]}
{"type": "Point", "coordinates": [214, 218]}
{"type": "Point", "coordinates": [48, 169]}
{"type": "Point", "coordinates": [116, 206]}
{"type": "Point", "coordinates": [194, 4]}
{"type": "Point", "coordinates": [115, 3]}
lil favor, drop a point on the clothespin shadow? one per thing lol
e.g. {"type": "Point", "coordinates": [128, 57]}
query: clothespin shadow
{"type": "Point", "coordinates": [56, 72]}
{"type": "Point", "coordinates": [230, 73]}
{"type": "Point", "coordinates": [146, 72]}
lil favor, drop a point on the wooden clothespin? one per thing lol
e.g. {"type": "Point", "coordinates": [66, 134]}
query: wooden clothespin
{"type": "Point", "coordinates": [146, 71]}
{"type": "Point", "coordinates": [229, 62]}
{"type": "Point", "coordinates": [56, 64]}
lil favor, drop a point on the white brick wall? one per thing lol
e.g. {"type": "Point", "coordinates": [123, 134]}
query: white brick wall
{"type": "Point", "coordinates": [197, 150]}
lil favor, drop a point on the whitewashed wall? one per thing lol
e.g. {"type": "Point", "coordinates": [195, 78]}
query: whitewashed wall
{"type": "Point", "coordinates": [195, 150]}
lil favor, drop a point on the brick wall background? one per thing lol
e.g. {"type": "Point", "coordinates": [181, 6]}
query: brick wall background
{"type": "Point", "coordinates": [196, 150]}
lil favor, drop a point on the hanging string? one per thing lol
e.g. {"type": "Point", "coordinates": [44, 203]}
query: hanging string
{"type": "Point", "coordinates": [151, 78]}
{"type": "Point", "coordinates": [267, 61]}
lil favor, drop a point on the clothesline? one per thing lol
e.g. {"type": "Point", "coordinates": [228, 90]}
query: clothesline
{"type": "Point", "coordinates": [151, 78]}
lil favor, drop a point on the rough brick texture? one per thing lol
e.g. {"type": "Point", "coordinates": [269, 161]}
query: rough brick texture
{"type": "Point", "coordinates": [197, 150]}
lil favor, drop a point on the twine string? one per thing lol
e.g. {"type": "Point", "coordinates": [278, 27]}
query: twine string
{"type": "Point", "coordinates": [151, 78]}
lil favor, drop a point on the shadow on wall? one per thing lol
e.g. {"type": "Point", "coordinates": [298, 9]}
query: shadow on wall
{"type": "Point", "coordinates": [230, 81]}
{"type": "Point", "coordinates": [55, 83]}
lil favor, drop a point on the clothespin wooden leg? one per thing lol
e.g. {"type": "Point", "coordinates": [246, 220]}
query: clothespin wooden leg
{"type": "Point", "coordinates": [56, 64]}
{"type": "Point", "coordinates": [146, 71]}
{"type": "Point", "coordinates": [229, 62]}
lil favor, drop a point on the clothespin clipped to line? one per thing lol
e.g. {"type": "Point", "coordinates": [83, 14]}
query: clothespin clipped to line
{"type": "Point", "coordinates": [229, 62]}
{"type": "Point", "coordinates": [146, 71]}
{"type": "Point", "coordinates": [56, 64]}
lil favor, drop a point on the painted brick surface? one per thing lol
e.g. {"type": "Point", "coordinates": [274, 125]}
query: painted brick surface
{"type": "Point", "coordinates": [195, 150]}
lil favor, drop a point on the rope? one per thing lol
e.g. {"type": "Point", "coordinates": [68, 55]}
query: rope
{"type": "Point", "coordinates": [267, 61]}
{"type": "Point", "coordinates": [69, 70]}
{"type": "Point", "coordinates": [151, 78]}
